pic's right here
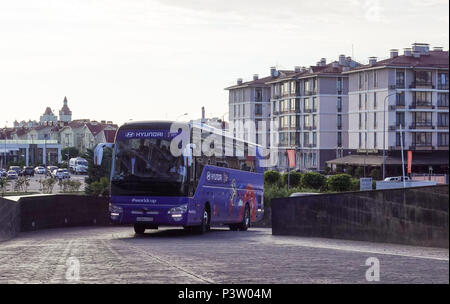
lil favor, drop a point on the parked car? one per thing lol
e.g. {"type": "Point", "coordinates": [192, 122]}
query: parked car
{"type": "Point", "coordinates": [39, 170]}
{"type": "Point", "coordinates": [3, 173]}
{"type": "Point", "coordinates": [396, 179]}
{"type": "Point", "coordinates": [50, 170]}
{"type": "Point", "coordinates": [61, 174]}
{"type": "Point", "coordinates": [12, 174]}
{"type": "Point", "coordinates": [15, 168]}
{"type": "Point", "coordinates": [296, 194]}
{"type": "Point", "coordinates": [27, 171]}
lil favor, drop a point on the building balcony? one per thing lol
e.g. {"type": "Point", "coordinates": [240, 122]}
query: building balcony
{"type": "Point", "coordinates": [442, 105]}
{"type": "Point", "coordinates": [442, 86]}
{"type": "Point", "coordinates": [307, 128]}
{"type": "Point", "coordinates": [310, 92]}
{"type": "Point", "coordinates": [442, 127]}
{"type": "Point", "coordinates": [421, 85]}
{"type": "Point", "coordinates": [422, 105]}
{"type": "Point", "coordinates": [421, 126]}
{"type": "Point", "coordinates": [421, 147]}
{"type": "Point", "coordinates": [309, 110]}
{"type": "Point", "coordinates": [399, 85]}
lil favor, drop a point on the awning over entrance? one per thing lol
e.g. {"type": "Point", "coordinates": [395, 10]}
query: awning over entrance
{"type": "Point", "coordinates": [377, 160]}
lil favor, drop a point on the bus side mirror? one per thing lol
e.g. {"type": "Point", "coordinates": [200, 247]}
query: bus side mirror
{"type": "Point", "coordinates": [98, 152]}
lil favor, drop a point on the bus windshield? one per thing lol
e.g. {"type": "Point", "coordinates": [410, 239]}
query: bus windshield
{"type": "Point", "coordinates": [146, 167]}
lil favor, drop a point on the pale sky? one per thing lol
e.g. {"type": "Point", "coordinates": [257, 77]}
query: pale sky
{"type": "Point", "coordinates": [157, 59]}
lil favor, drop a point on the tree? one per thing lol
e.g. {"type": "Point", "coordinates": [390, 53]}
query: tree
{"type": "Point", "coordinates": [272, 177]}
{"type": "Point", "coordinates": [339, 182]}
{"type": "Point", "coordinates": [95, 173]}
{"type": "Point", "coordinates": [69, 152]}
{"type": "Point", "coordinates": [375, 174]}
{"type": "Point", "coordinates": [313, 180]}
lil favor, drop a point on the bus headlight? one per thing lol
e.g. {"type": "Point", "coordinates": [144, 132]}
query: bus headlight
{"type": "Point", "coordinates": [115, 210]}
{"type": "Point", "coordinates": [178, 211]}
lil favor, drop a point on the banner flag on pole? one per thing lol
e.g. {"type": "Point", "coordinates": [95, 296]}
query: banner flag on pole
{"type": "Point", "coordinates": [409, 162]}
{"type": "Point", "coordinates": [291, 157]}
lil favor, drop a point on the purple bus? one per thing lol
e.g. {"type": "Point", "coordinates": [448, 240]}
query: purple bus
{"type": "Point", "coordinates": [152, 186]}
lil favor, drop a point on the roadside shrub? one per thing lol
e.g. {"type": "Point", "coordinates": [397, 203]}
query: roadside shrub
{"type": "Point", "coordinates": [355, 184]}
{"type": "Point", "coordinates": [339, 182]}
{"type": "Point", "coordinates": [272, 177]}
{"type": "Point", "coordinates": [47, 185]}
{"type": "Point", "coordinates": [4, 182]}
{"type": "Point", "coordinates": [69, 186]}
{"type": "Point", "coordinates": [350, 170]}
{"type": "Point", "coordinates": [294, 179]}
{"type": "Point", "coordinates": [273, 192]}
{"type": "Point", "coordinates": [100, 188]}
{"type": "Point", "coordinates": [375, 174]}
{"type": "Point", "coordinates": [313, 180]}
{"type": "Point", "coordinates": [327, 170]}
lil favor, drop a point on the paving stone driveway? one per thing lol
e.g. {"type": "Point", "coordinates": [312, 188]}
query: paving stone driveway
{"type": "Point", "coordinates": [116, 255]}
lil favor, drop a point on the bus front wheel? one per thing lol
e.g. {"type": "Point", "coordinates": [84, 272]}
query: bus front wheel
{"type": "Point", "coordinates": [139, 229]}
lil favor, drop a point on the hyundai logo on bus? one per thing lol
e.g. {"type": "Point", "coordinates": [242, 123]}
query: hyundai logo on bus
{"type": "Point", "coordinates": [216, 177]}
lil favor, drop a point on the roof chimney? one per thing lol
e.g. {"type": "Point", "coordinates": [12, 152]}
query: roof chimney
{"type": "Point", "coordinates": [255, 76]}
{"type": "Point", "coordinates": [203, 114]}
{"type": "Point", "coordinates": [372, 60]}
{"type": "Point", "coordinates": [239, 81]}
{"type": "Point", "coordinates": [421, 48]}
{"type": "Point", "coordinates": [273, 72]}
{"type": "Point", "coordinates": [323, 62]}
{"type": "Point", "coordinates": [394, 53]}
{"type": "Point", "coordinates": [342, 59]}
{"type": "Point", "coordinates": [297, 69]}
{"type": "Point", "coordinates": [407, 51]}
{"type": "Point", "coordinates": [335, 64]}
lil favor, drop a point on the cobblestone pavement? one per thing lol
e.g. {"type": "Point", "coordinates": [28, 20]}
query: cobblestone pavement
{"type": "Point", "coordinates": [116, 255]}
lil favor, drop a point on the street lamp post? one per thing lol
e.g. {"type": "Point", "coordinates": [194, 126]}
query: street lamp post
{"type": "Point", "coordinates": [384, 133]}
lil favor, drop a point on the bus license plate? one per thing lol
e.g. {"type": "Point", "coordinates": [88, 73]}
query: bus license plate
{"type": "Point", "coordinates": [144, 219]}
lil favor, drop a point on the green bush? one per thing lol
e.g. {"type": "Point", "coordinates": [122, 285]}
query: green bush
{"type": "Point", "coordinates": [355, 184]}
{"type": "Point", "coordinates": [340, 182]}
{"type": "Point", "coordinates": [100, 188]}
{"type": "Point", "coordinates": [313, 180]}
{"type": "Point", "coordinates": [4, 182]}
{"type": "Point", "coordinates": [375, 174]}
{"type": "Point", "coordinates": [327, 170]}
{"type": "Point", "coordinates": [272, 177]}
{"type": "Point", "coordinates": [271, 192]}
{"type": "Point", "coordinates": [96, 173]}
{"type": "Point", "coordinates": [350, 170]}
{"type": "Point", "coordinates": [294, 179]}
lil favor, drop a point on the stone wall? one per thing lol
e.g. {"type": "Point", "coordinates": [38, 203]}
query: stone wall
{"type": "Point", "coordinates": [9, 219]}
{"type": "Point", "coordinates": [414, 216]}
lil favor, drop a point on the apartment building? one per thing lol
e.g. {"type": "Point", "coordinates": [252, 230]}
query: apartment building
{"type": "Point", "coordinates": [408, 92]}
{"type": "Point", "coordinates": [309, 108]}
{"type": "Point", "coordinates": [249, 105]}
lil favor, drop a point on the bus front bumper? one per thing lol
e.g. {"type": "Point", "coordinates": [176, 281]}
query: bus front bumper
{"type": "Point", "coordinates": [154, 216]}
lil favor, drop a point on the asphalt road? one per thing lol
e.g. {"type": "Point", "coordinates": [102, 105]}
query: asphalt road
{"type": "Point", "coordinates": [116, 255]}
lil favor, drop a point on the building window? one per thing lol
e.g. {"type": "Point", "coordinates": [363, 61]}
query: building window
{"type": "Point", "coordinates": [375, 139]}
{"type": "Point", "coordinates": [339, 122]}
{"type": "Point", "coordinates": [421, 139]}
{"type": "Point", "coordinates": [314, 121]}
{"type": "Point", "coordinates": [422, 119]}
{"type": "Point", "coordinates": [258, 94]}
{"type": "Point", "coordinates": [305, 139]}
{"type": "Point", "coordinates": [360, 121]}
{"type": "Point", "coordinates": [313, 159]}
{"type": "Point", "coordinates": [443, 119]}
{"type": "Point", "coordinates": [293, 105]}
{"type": "Point", "coordinates": [258, 109]}
{"type": "Point", "coordinates": [375, 100]}
{"type": "Point", "coordinates": [360, 82]}
{"type": "Point", "coordinates": [306, 104]}
{"type": "Point", "coordinates": [339, 104]}
{"type": "Point", "coordinates": [360, 140]}
{"type": "Point", "coordinates": [400, 80]}
{"type": "Point", "coordinates": [293, 121]}
{"type": "Point", "coordinates": [443, 81]}
{"type": "Point", "coordinates": [360, 101]}
{"type": "Point", "coordinates": [423, 78]}
{"type": "Point", "coordinates": [293, 87]}
{"type": "Point", "coordinates": [374, 120]}
{"type": "Point", "coordinates": [339, 85]}
{"type": "Point", "coordinates": [306, 121]}
{"type": "Point", "coordinates": [399, 135]}
{"type": "Point", "coordinates": [400, 99]}
{"type": "Point", "coordinates": [365, 101]}
{"type": "Point", "coordinates": [443, 139]}
{"type": "Point", "coordinates": [442, 100]}
{"type": "Point", "coordinates": [422, 99]}
{"type": "Point", "coordinates": [400, 119]}
{"type": "Point", "coordinates": [339, 139]}
{"type": "Point", "coordinates": [314, 104]}
{"type": "Point", "coordinates": [375, 80]}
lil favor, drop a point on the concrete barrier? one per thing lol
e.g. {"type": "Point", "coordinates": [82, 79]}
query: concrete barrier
{"type": "Point", "coordinates": [53, 211]}
{"type": "Point", "coordinates": [9, 219]}
{"type": "Point", "coordinates": [414, 216]}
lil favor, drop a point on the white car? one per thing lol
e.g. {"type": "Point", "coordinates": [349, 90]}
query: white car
{"type": "Point", "coordinates": [396, 179]}
{"type": "Point", "coordinates": [39, 170]}
{"type": "Point", "coordinates": [12, 174]}
{"type": "Point", "coordinates": [61, 174]}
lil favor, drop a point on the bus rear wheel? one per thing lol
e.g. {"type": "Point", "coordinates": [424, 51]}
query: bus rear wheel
{"type": "Point", "coordinates": [139, 229]}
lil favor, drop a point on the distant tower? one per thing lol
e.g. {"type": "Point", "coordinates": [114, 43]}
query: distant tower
{"type": "Point", "coordinates": [48, 117]}
{"type": "Point", "coordinates": [65, 115]}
